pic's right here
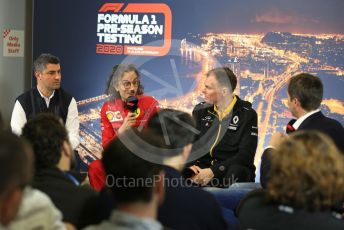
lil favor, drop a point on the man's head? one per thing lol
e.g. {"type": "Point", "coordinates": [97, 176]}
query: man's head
{"type": "Point", "coordinates": [305, 93]}
{"type": "Point", "coordinates": [131, 178]}
{"type": "Point", "coordinates": [123, 82]}
{"type": "Point", "coordinates": [48, 72]}
{"type": "Point", "coordinates": [220, 83]}
{"type": "Point", "coordinates": [15, 172]}
{"type": "Point", "coordinates": [172, 132]}
{"type": "Point", "coordinates": [49, 140]}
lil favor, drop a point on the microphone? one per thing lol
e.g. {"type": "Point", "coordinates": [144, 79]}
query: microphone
{"type": "Point", "coordinates": [131, 103]}
{"type": "Point", "coordinates": [290, 128]}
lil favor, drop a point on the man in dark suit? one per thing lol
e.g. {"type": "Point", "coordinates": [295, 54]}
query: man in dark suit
{"type": "Point", "coordinates": [305, 93]}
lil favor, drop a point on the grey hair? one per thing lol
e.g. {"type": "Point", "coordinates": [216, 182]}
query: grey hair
{"type": "Point", "coordinates": [116, 76]}
{"type": "Point", "coordinates": [41, 62]}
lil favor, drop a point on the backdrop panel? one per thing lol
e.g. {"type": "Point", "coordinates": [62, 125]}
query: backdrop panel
{"type": "Point", "coordinates": [174, 43]}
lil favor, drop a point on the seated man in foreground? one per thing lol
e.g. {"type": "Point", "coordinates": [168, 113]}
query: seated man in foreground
{"type": "Point", "coordinates": [167, 141]}
{"type": "Point", "coordinates": [53, 158]}
{"type": "Point", "coordinates": [136, 185]}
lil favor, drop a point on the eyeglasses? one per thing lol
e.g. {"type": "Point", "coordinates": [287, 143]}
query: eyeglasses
{"type": "Point", "coordinates": [127, 84]}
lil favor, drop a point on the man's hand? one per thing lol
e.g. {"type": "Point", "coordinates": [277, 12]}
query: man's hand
{"type": "Point", "coordinates": [129, 121]}
{"type": "Point", "coordinates": [276, 139]}
{"type": "Point", "coordinates": [203, 177]}
{"type": "Point", "coordinates": [195, 169]}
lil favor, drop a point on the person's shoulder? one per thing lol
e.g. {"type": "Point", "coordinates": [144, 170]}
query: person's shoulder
{"type": "Point", "coordinates": [87, 191]}
{"type": "Point", "coordinates": [106, 104]}
{"type": "Point", "coordinates": [333, 122]}
{"type": "Point", "coordinates": [146, 98]}
{"type": "Point", "coordinates": [202, 106]}
{"type": "Point", "coordinates": [104, 225]}
{"type": "Point", "coordinates": [112, 103]}
{"type": "Point", "coordinates": [320, 121]}
{"type": "Point", "coordinates": [65, 94]}
{"type": "Point", "coordinates": [24, 95]}
{"type": "Point", "coordinates": [254, 200]}
{"type": "Point", "coordinates": [37, 211]}
{"type": "Point", "coordinates": [36, 198]}
{"type": "Point", "coordinates": [147, 102]}
{"type": "Point", "coordinates": [58, 178]}
{"type": "Point", "coordinates": [244, 107]}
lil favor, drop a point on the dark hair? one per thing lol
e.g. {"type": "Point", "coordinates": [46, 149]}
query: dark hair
{"type": "Point", "coordinates": [307, 172]}
{"type": "Point", "coordinates": [122, 167]}
{"type": "Point", "coordinates": [41, 62]}
{"type": "Point", "coordinates": [15, 162]}
{"type": "Point", "coordinates": [46, 133]}
{"type": "Point", "coordinates": [308, 89]}
{"type": "Point", "coordinates": [224, 76]}
{"type": "Point", "coordinates": [116, 76]}
{"type": "Point", "coordinates": [170, 130]}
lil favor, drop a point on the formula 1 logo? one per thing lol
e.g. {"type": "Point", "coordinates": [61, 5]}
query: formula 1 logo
{"type": "Point", "coordinates": [125, 28]}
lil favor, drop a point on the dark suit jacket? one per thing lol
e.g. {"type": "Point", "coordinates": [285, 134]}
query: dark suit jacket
{"type": "Point", "coordinates": [254, 212]}
{"type": "Point", "coordinates": [70, 199]}
{"type": "Point", "coordinates": [331, 127]}
{"type": "Point", "coordinates": [316, 121]}
{"type": "Point", "coordinates": [187, 207]}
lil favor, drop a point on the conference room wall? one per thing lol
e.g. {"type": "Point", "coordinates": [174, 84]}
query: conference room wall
{"type": "Point", "coordinates": [15, 72]}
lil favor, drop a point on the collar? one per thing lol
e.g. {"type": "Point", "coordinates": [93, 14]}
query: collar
{"type": "Point", "coordinates": [53, 172]}
{"type": "Point", "coordinates": [72, 178]}
{"type": "Point", "coordinates": [227, 110]}
{"type": "Point", "coordinates": [46, 99]}
{"type": "Point", "coordinates": [301, 119]}
{"type": "Point", "coordinates": [123, 219]}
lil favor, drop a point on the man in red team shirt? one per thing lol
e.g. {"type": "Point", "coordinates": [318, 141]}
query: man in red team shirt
{"type": "Point", "coordinates": [116, 116]}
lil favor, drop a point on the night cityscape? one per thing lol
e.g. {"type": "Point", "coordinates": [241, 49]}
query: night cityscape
{"type": "Point", "coordinates": [263, 64]}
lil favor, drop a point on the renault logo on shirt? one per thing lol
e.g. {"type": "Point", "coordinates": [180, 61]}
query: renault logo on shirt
{"type": "Point", "coordinates": [235, 119]}
{"type": "Point", "coordinates": [234, 124]}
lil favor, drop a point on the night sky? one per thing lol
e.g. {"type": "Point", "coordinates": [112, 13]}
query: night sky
{"type": "Point", "coordinates": [260, 16]}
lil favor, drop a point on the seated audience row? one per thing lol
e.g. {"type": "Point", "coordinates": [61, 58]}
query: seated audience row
{"type": "Point", "coordinates": [306, 185]}
{"type": "Point", "coordinates": [22, 207]}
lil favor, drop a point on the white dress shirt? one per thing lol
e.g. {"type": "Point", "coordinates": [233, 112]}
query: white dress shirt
{"type": "Point", "coordinates": [18, 119]}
